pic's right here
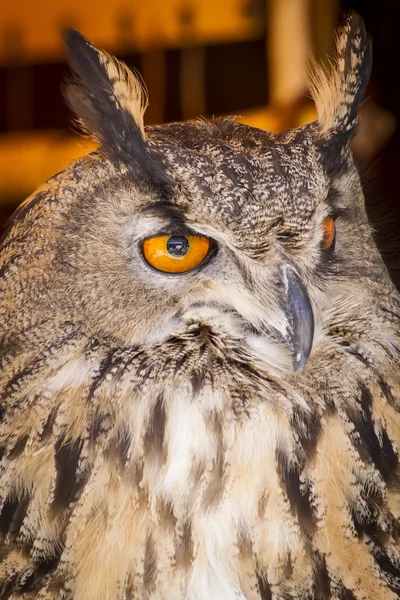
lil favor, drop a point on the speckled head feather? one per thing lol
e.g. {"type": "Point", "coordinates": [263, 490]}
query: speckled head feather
{"type": "Point", "coordinates": [229, 432]}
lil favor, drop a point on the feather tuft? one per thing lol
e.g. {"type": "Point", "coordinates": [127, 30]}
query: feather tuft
{"type": "Point", "coordinates": [338, 89]}
{"type": "Point", "coordinates": [109, 101]}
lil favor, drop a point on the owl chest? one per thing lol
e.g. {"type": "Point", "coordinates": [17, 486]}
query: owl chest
{"type": "Point", "coordinates": [197, 507]}
{"type": "Point", "coordinates": [163, 492]}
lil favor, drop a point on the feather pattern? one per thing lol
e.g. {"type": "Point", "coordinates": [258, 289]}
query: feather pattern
{"type": "Point", "coordinates": [154, 440]}
{"type": "Point", "coordinates": [171, 467]}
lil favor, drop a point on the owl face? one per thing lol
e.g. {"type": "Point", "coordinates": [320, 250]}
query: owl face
{"type": "Point", "coordinates": [253, 233]}
{"type": "Point", "coordinates": [256, 235]}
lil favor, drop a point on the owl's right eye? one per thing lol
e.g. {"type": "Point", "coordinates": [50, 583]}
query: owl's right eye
{"type": "Point", "coordinates": [176, 253]}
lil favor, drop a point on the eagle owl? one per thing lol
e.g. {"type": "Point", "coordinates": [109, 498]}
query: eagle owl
{"type": "Point", "coordinates": [200, 391]}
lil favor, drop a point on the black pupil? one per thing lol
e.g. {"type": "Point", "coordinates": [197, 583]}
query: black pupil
{"type": "Point", "coordinates": [177, 245]}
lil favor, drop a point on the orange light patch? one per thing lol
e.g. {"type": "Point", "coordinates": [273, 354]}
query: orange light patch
{"type": "Point", "coordinates": [156, 253]}
{"type": "Point", "coordinates": [329, 231]}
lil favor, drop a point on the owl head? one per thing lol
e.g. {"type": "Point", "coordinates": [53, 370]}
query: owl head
{"type": "Point", "coordinates": [262, 237]}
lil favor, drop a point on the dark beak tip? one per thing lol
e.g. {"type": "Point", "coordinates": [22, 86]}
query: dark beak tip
{"type": "Point", "coordinates": [300, 317]}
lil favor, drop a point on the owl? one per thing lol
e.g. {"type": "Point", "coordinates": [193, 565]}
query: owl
{"type": "Point", "coordinates": [200, 351]}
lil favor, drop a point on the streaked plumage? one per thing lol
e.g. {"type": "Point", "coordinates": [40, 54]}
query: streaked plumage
{"type": "Point", "coordinates": [156, 442]}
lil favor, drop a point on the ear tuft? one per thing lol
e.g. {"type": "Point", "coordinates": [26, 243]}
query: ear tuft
{"type": "Point", "coordinates": [108, 99]}
{"type": "Point", "coordinates": [338, 91]}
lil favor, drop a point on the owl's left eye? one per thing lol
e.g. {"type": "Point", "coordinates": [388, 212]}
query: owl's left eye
{"type": "Point", "coordinates": [328, 232]}
{"type": "Point", "coordinates": [176, 253]}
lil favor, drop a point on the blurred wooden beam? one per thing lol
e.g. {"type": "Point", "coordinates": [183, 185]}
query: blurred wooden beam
{"type": "Point", "coordinates": [30, 31]}
{"type": "Point", "coordinates": [192, 83]}
{"type": "Point", "coordinates": [18, 93]}
{"type": "Point", "coordinates": [325, 17]}
{"type": "Point", "coordinates": [154, 73]}
{"type": "Point", "coordinates": [275, 119]}
{"type": "Point", "coordinates": [289, 47]}
{"type": "Point", "coordinates": [29, 159]}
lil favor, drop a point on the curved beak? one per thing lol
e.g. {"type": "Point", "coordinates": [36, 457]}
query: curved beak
{"type": "Point", "coordinates": [300, 317]}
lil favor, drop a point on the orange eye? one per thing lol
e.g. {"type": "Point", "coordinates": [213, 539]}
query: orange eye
{"type": "Point", "coordinates": [176, 253]}
{"type": "Point", "coordinates": [329, 232]}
